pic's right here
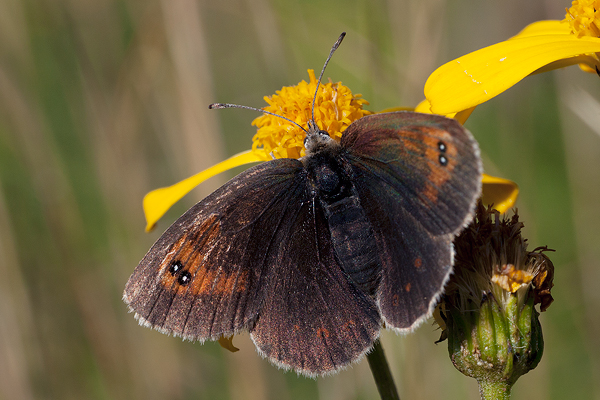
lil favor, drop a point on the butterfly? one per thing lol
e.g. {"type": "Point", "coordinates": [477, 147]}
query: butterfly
{"type": "Point", "coordinates": [314, 255]}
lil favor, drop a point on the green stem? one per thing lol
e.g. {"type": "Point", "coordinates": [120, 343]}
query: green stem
{"type": "Point", "coordinates": [381, 372]}
{"type": "Point", "coordinates": [490, 390]}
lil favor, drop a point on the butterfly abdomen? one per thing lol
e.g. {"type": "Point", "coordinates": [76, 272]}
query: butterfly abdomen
{"type": "Point", "coordinates": [353, 241]}
{"type": "Point", "coordinates": [351, 232]}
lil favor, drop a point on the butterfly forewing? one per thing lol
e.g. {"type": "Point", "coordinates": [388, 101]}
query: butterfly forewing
{"type": "Point", "coordinates": [432, 162]}
{"type": "Point", "coordinates": [205, 276]}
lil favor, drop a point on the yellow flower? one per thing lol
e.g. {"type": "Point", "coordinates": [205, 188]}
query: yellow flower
{"type": "Point", "coordinates": [584, 18]}
{"type": "Point", "coordinates": [335, 109]}
{"type": "Point", "coordinates": [542, 46]}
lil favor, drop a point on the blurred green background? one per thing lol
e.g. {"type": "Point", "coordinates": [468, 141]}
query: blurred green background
{"type": "Point", "coordinates": [102, 101]}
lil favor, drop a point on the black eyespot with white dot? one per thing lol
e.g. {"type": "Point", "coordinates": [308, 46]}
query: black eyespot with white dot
{"type": "Point", "coordinates": [442, 158]}
{"type": "Point", "coordinates": [184, 278]}
{"type": "Point", "coordinates": [175, 267]}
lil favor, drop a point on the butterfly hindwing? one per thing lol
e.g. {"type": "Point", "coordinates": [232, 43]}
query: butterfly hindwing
{"type": "Point", "coordinates": [314, 319]}
{"type": "Point", "coordinates": [415, 264]}
{"type": "Point", "coordinates": [418, 177]}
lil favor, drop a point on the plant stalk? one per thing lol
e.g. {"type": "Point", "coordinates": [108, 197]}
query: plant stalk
{"type": "Point", "coordinates": [382, 374]}
{"type": "Point", "coordinates": [490, 390]}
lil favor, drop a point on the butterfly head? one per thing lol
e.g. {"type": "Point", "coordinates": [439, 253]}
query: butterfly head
{"type": "Point", "coordinates": [316, 139]}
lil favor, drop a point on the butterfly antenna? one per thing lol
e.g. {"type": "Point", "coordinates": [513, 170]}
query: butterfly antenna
{"type": "Point", "coordinates": [227, 105]}
{"type": "Point", "coordinates": [333, 49]}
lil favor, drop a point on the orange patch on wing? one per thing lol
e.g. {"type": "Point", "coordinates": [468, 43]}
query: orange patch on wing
{"type": "Point", "coordinates": [438, 174]}
{"type": "Point", "coordinates": [411, 142]}
{"type": "Point", "coordinates": [322, 332]}
{"type": "Point", "coordinates": [407, 287]}
{"type": "Point", "coordinates": [396, 300]}
{"type": "Point", "coordinates": [186, 251]}
{"type": "Point", "coordinates": [217, 281]}
{"type": "Point", "coordinates": [418, 262]}
{"type": "Point", "coordinates": [202, 281]}
{"type": "Point", "coordinates": [350, 325]}
{"type": "Point", "coordinates": [191, 251]}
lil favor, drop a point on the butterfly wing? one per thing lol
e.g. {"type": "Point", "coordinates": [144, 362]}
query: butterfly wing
{"type": "Point", "coordinates": [256, 255]}
{"type": "Point", "coordinates": [206, 275]}
{"type": "Point", "coordinates": [314, 319]}
{"type": "Point", "coordinates": [418, 177]}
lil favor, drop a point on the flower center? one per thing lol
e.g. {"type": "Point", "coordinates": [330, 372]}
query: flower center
{"type": "Point", "coordinates": [335, 109]}
{"type": "Point", "coordinates": [584, 18]}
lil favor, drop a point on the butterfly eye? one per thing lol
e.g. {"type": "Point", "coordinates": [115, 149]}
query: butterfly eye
{"type": "Point", "coordinates": [184, 278]}
{"type": "Point", "coordinates": [175, 267]}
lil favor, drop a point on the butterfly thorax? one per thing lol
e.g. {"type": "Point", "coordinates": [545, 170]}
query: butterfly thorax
{"type": "Point", "coordinates": [329, 176]}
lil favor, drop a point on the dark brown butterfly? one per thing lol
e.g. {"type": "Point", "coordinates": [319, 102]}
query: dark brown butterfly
{"type": "Point", "coordinates": [312, 256]}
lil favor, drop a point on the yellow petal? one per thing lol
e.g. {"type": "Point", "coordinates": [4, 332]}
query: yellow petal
{"type": "Point", "coordinates": [394, 109]}
{"type": "Point", "coordinates": [587, 68]}
{"type": "Point", "coordinates": [461, 116]}
{"type": "Point", "coordinates": [500, 192]}
{"type": "Point", "coordinates": [549, 27]}
{"type": "Point", "coordinates": [157, 202]}
{"type": "Point", "coordinates": [227, 343]}
{"type": "Point", "coordinates": [552, 27]}
{"type": "Point", "coordinates": [477, 77]}
{"type": "Point", "coordinates": [423, 107]}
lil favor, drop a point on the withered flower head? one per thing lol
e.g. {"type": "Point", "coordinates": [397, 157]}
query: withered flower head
{"type": "Point", "coordinates": [492, 258]}
{"type": "Point", "coordinates": [488, 311]}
